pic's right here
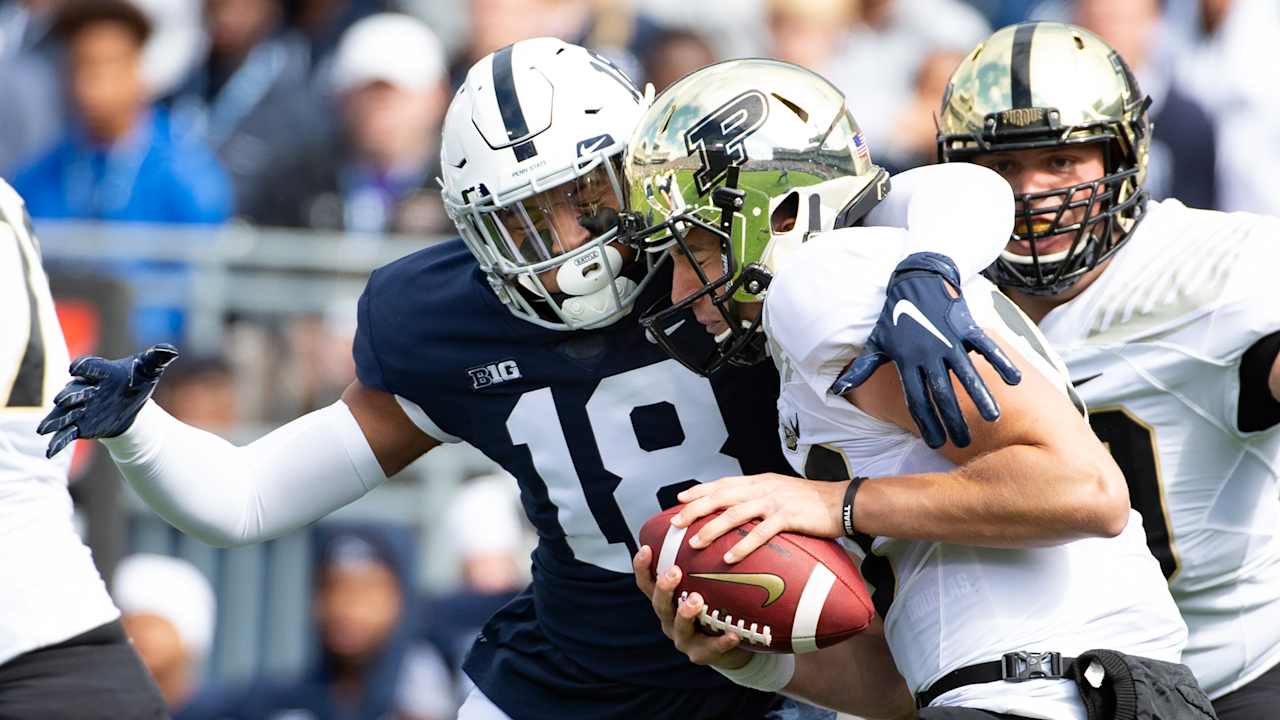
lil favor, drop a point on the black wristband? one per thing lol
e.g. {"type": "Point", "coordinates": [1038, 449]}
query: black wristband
{"type": "Point", "coordinates": [847, 511]}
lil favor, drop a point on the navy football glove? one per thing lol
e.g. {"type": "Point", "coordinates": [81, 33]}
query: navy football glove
{"type": "Point", "coordinates": [104, 396]}
{"type": "Point", "coordinates": [936, 339]}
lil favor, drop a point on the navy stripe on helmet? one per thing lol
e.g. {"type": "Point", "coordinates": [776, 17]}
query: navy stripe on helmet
{"type": "Point", "coordinates": [1020, 65]}
{"type": "Point", "coordinates": [525, 150]}
{"type": "Point", "coordinates": [504, 87]}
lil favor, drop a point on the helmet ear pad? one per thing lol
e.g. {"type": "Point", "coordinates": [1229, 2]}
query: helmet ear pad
{"type": "Point", "coordinates": [821, 207]}
{"type": "Point", "coordinates": [785, 213]}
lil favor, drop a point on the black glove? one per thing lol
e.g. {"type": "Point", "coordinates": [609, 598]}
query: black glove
{"type": "Point", "coordinates": [104, 396]}
{"type": "Point", "coordinates": [937, 339]}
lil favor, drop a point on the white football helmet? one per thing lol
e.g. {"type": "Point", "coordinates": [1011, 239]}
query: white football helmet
{"type": "Point", "coordinates": [531, 160]}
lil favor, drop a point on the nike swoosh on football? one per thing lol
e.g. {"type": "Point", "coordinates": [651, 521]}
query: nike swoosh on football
{"type": "Point", "coordinates": [770, 583]}
{"type": "Point", "coordinates": [908, 308]}
{"type": "Point", "coordinates": [1085, 379]}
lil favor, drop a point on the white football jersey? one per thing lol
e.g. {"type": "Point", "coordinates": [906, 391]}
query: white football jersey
{"type": "Point", "coordinates": [50, 590]}
{"type": "Point", "coordinates": [949, 606]}
{"type": "Point", "coordinates": [1154, 347]}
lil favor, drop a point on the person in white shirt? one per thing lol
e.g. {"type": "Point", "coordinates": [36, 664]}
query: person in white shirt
{"type": "Point", "coordinates": [754, 177]}
{"type": "Point", "coordinates": [61, 641]}
{"type": "Point", "coordinates": [1167, 320]}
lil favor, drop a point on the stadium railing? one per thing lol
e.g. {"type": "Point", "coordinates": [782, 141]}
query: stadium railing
{"type": "Point", "coordinates": [264, 276]}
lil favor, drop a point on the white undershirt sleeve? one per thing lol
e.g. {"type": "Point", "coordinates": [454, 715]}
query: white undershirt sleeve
{"type": "Point", "coordinates": [230, 495]}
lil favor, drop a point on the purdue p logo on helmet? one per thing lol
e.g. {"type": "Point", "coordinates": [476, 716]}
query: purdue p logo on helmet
{"type": "Point", "coordinates": [718, 138]}
{"type": "Point", "coordinates": [725, 151]}
{"type": "Point", "coordinates": [1042, 85]}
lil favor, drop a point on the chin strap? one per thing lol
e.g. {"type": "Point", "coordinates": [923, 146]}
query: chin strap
{"type": "Point", "coordinates": [729, 199]}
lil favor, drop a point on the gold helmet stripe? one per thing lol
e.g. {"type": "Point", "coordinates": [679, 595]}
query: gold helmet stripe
{"type": "Point", "coordinates": [1020, 65]}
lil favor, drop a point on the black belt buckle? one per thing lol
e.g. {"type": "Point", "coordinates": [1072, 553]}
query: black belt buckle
{"type": "Point", "coordinates": [1019, 666]}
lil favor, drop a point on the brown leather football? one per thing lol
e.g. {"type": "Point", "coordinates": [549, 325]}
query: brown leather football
{"type": "Point", "coordinates": [795, 594]}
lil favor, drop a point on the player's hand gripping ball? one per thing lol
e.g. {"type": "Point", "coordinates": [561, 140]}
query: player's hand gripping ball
{"type": "Point", "coordinates": [795, 594]}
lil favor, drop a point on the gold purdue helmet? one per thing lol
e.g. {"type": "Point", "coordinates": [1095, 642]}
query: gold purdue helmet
{"type": "Point", "coordinates": [1045, 84]}
{"type": "Point", "coordinates": [725, 149]}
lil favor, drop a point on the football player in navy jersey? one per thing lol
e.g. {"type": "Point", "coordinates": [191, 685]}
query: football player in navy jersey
{"type": "Point", "coordinates": [512, 339]}
{"type": "Point", "coordinates": [521, 340]}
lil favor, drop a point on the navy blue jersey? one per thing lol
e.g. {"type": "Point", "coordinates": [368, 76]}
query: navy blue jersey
{"type": "Point", "coordinates": [600, 428]}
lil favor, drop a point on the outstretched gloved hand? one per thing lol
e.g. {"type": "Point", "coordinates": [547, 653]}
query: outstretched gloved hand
{"type": "Point", "coordinates": [104, 396]}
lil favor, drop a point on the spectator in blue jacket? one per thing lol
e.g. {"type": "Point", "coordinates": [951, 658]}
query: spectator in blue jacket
{"type": "Point", "coordinates": [119, 160]}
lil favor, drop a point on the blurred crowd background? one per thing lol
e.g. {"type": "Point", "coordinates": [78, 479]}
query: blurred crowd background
{"type": "Point", "coordinates": [222, 174]}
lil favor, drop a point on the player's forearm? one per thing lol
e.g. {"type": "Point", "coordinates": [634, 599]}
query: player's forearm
{"type": "Point", "coordinates": [1018, 496]}
{"type": "Point", "coordinates": [857, 676]}
{"type": "Point", "coordinates": [227, 495]}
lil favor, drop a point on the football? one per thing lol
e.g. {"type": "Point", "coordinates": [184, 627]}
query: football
{"type": "Point", "coordinates": [795, 594]}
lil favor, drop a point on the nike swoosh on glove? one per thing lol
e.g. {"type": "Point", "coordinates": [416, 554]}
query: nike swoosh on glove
{"type": "Point", "coordinates": [104, 396]}
{"type": "Point", "coordinates": [928, 334]}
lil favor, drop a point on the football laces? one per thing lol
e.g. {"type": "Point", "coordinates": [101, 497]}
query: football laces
{"type": "Point", "coordinates": [754, 633]}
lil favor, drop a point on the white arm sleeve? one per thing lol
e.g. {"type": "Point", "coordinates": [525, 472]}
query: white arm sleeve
{"type": "Point", "coordinates": [227, 495]}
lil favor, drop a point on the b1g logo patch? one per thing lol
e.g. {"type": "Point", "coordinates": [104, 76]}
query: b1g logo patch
{"type": "Point", "coordinates": [493, 374]}
{"type": "Point", "coordinates": [718, 137]}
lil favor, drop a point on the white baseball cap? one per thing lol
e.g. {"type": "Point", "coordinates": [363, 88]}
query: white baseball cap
{"type": "Point", "coordinates": [388, 47]}
{"type": "Point", "coordinates": [173, 589]}
{"type": "Point", "coordinates": [485, 516]}
{"type": "Point", "coordinates": [177, 42]}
